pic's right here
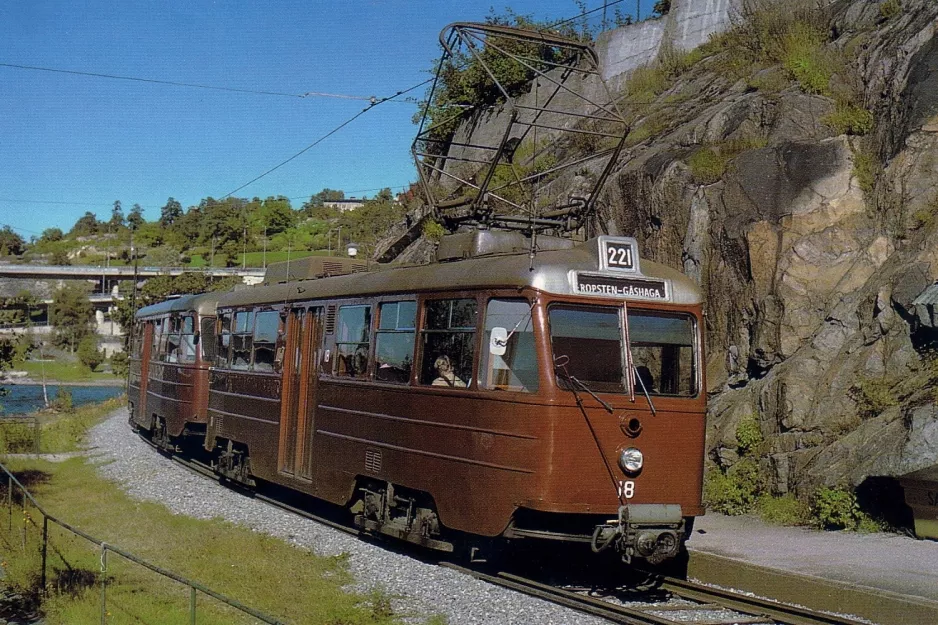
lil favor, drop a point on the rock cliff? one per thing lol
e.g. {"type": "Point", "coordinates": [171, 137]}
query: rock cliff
{"type": "Point", "coordinates": [808, 212]}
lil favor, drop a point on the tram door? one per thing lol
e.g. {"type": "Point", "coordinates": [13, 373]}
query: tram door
{"type": "Point", "coordinates": [141, 414]}
{"type": "Point", "coordinates": [300, 377]}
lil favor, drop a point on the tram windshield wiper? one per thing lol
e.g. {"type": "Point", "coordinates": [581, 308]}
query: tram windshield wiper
{"type": "Point", "coordinates": [645, 392]}
{"type": "Point", "coordinates": [560, 363]}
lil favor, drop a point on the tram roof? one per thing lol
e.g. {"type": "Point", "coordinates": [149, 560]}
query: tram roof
{"type": "Point", "coordinates": [553, 272]}
{"type": "Point", "coordinates": [201, 303]}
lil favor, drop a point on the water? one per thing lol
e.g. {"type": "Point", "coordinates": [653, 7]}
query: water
{"type": "Point", "coordinates": [23, 398]}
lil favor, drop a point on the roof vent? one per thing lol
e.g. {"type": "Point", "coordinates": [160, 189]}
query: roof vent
{"type": "Point", "coordinates": [491, 242]}
{"type": "Point", "coordinates": [312, 267]}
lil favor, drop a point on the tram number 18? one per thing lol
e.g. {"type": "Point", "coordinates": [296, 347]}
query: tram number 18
{"type": "Point", "coordinates": [626, 489]}
{"type": "Point", "coordinates": [619, 256]}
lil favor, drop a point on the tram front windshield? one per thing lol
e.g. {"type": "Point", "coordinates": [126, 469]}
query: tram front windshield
{"type": "Point", "coordinates": [592, 339]}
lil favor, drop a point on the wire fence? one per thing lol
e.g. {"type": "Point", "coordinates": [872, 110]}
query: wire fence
{"type": "Point", "coordinates": [50, 544]}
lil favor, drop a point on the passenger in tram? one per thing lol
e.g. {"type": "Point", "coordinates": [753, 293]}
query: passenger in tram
{"type": "Point", "coordinates": [445, 373]}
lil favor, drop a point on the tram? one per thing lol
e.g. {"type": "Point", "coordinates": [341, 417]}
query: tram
{"type": "Point", "coordinates": [167, 386]}
{"type": "Point", "coordinates": [504, 392]}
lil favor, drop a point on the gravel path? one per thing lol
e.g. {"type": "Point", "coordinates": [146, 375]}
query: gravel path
{"type": "Point", "coordinates": [423, 589]}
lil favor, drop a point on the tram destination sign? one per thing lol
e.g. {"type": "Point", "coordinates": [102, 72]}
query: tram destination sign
{"type": "Point", "coordinates": [613, 286]}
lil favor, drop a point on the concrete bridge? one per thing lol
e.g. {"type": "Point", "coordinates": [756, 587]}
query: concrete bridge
{"type": "Point", "coordinates": [250, 275]}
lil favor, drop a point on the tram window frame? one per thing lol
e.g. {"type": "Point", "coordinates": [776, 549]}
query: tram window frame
{"type": "Point", "coordinates": [173, 341]}
{"type": "Point", "coordinates": [395, 331]}
{"type": "Point", "coordinates": [187, 347]}
{"type": "Point", "coordinates": [242, 338]}
{"type": "Point", "coordinates": [433, 342]}
{"type": "Point", "coordinates": [584, 364]}
{"type": "Point", "coordinates": [155, 343]}
{"type": "Point", "coordinates": [223, 340]}
{"type": "Point", "coordinates": [342, 366]}
{"type": "Point", "coordinates": [207, 346]}
{"type": "Point", "coordinates": [500, 372]}
{"type": "Point", "coordinates": [268, 346]}
{"type": "Point", "coordinates": [666, 381]}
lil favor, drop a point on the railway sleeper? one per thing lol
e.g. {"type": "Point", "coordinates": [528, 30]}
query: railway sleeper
{"type": "Point", "coordinates": [233, 462]}
{"type": "Point", "coordinates": [399, 512]}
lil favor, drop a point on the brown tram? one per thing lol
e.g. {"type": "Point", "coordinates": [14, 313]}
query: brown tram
{"type": "Point", "coordinates": [167, 388]}
{"type": "Point", "coordinates": [558, 396]}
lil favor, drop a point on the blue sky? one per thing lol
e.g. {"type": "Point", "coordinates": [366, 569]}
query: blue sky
{"type": "Point", "coordinates": [73, 143]}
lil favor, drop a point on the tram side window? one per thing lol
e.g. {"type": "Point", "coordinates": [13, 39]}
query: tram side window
{"type": "Point", "coordinates": [509, 360]}
{"type": "Point", "coordinates": [187, 339]}
{"type": "Point", "coordinates": [171, 346]}
{"type": "Point", "coordinates": [242, 334]}
{"type": "Point", "coordinates": [207, 339]}
{"type": "Point", "coordinates": [448, 342]}
{"type": "Point", "coordinates": [394, 341]}
{"type": "Point", "coordinates": [224, 340]}
{"type": "Point", "coordinates": [266, 327]}
{"type": "Point", "coordinates": [353, 333]}
{"type": "Point", "coordinates": [663, 353]}
{"type": "Point", "coordinates": [157, 339]}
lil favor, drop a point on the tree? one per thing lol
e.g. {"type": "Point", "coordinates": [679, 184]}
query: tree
{"type": "Point", "coordinates": [117, 217]}
{"type": "Point", "coordinates": [88, 353]}
{"type": "Point", "coordinates": [7, 353]}
{"type": "Point", "coordinates": [120, 364]}
{"type": "Point", "coordinates": [159, 288]}
{"type": "Point", "coordinates": [71, 315]}
{"type": "Point", "coordinates": [662, 7]}
{"type": "Point", "coordinates": [86, 225]}
{"type": "Point", "coordinates": [170, 212]}
{"type": "Point", "coordinates": [135, 218]}
{"type": "Point", "coordinates": [10, 242]}
{"type": "Point", "coordinates": [51, 235]}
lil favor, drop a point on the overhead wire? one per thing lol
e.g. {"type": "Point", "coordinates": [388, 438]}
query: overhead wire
{"type": "Point", "coordinates": [371, 105]}
{"type": "Point", "coordinates": [174, 83]}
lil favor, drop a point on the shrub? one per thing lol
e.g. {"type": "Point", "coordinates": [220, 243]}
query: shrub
{"type": "Point", "coordinates": [432, 230]}
{"type": "Point", "coordinates": [120, 364]}
{"type": "Point", "coordinates": [806, 59]}
{"type": "Point", "coordinates": [873, 396]}
{"type": "Point", "coordinates": [849, 119]}
{"type": "Point", "coordinates": [865, 168]}
{"type": "Point", "coordinates": [88, 353]}
{"type": "Point", "coordinates": [748, 436]}
{"type": "Point", "coordinates": [736, 491]}
{"type": "Point", "coordinates": [837, 508]}
{"type": "Point", "coordinates": [63, 400]}
{"type": "Point", "coordinates": [784, 510]}
{"type": "Point", "coordinates": [889, 9]}
{"type": "Point", "coordinates": [707, 165]}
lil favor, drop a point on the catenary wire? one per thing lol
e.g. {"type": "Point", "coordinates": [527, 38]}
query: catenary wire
{"type": "Point", "coordinates": [373, 104]}
{"type": "Point", "coordinates": [308, 94]}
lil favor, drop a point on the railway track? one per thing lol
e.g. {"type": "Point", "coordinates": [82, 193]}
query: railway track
{"type": "Point", "coordinates": [677, 601]}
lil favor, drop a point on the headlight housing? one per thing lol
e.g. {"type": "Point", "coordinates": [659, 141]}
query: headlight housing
{"type": "Point", "coordinates": [631, 460]}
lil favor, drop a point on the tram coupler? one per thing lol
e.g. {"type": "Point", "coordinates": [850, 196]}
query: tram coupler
{"type": "Point", "coordinates": [652, 532]}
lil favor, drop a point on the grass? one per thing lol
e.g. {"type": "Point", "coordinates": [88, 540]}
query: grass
{"type": "Point", "coordinates": [58, 371]}
{"type": "Point", "coordinates": [708, 163]}
{"type": "Point", "coordinates": [59, 433]}
{"type": "Point", "coordinates": [257, 570]}
{"type": "Point", "coordinates": [849, 119]}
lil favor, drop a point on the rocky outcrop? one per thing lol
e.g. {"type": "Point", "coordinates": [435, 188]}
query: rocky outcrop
{"type": "Point", "coordinates": [811, 246]}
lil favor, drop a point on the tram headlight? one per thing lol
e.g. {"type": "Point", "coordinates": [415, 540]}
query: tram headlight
{"type": "Point", "coordinates": [631, 460]}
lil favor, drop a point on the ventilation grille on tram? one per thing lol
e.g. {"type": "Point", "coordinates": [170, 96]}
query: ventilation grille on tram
{"type": "Point", "coordinates": [372, 461]}
{"type": "Point", "coordinates": [330, 319]}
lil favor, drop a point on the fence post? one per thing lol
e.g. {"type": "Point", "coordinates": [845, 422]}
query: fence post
{"type": "Point", "coordinates": [45, 544]}
{"type": "Point", "coordinates": [25, 521]}
{"type": "Point", "coordinates": [191, 605]}
{"type": "Point", "coordinates": [103, 583]}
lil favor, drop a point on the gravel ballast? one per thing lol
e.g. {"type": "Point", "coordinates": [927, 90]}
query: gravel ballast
{"type": "Point", "coordinates": [421, 589]}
